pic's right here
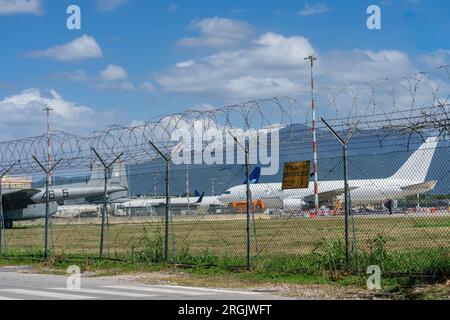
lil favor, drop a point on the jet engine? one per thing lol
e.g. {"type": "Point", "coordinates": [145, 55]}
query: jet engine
{"type": "Point", "coordinates": [293, 204]}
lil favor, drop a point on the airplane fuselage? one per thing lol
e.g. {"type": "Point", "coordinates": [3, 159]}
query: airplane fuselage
{"type": "Point", "coordinates": [70, 193]}
{"type": "Point", "coordinates": [182, 201]}
{"type": "Point", "coordinates": [363, 192]}
{"type": "Point", "coordinates": [35, 207]}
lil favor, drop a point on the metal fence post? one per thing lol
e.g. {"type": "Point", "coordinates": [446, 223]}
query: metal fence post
{"type": "Point", "coordinates": [168, 214]}
{"type": "Point", "coordinates": [246, 151]}
{"type": "Point", "coordinates": [2, 218]}
{"type": "Point", "coordinates": [106, 168]}
{"type": "Point", "coordinates": [344, 143]}
{"type": "Point", "coordinates": [247, 174]}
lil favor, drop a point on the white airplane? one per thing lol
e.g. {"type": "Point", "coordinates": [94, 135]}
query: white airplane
{"type": "Point", "coordinates": [199, 201]}
{"type": "Point", "coordinates": [158, 202]}
{"type": "Point", "coordinates": [409, 180]}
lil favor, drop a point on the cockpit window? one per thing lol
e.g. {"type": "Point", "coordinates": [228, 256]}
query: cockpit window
{"type": "Point", "coordinates": [227, 192]}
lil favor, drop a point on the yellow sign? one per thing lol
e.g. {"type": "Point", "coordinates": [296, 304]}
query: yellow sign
{"type": "Point", "coordinates": [296, 175]}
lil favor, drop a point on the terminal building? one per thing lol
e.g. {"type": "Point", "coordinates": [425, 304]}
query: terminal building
{"type": "Point", "coordinates": [16, 182]}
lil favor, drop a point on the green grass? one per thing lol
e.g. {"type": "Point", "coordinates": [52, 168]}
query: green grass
{"type": "Point", "coordinates": [288, 246]}
{"type": "Point", "coordinates": [393, 286]}
{"type": "Point", "coordinates": [432, 224]}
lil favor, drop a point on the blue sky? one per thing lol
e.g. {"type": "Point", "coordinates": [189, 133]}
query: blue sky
{"type": "Point", "coordinates": [134, 59]}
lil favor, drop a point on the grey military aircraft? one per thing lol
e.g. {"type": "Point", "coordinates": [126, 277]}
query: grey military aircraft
{"type": "Point", "coordinates": [29, 204]}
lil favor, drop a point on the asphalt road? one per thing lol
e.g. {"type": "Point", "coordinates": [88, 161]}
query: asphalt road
{"type": "Point", "coordinates": [15, 285]}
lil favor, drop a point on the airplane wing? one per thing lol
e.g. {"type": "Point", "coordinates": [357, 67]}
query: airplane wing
{"type": "Point", "coordinates": [18, 199]}
{"type": "Point", "coordinates": [326, 197]}
{"type": "Point", "coordinates": [421, 187]}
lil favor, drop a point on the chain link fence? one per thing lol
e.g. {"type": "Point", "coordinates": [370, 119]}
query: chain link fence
{"type": "Point", "coordinates": [399, 216]}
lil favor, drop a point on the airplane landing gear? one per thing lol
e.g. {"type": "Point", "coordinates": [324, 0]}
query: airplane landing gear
{"type": "Point", "coordinates": [8, 224]}
{"type": "Point", "coordinates": [390, 206]}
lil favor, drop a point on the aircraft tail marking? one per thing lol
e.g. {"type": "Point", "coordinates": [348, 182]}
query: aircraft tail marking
{"type": "Point", "coordinates": [417, 166]}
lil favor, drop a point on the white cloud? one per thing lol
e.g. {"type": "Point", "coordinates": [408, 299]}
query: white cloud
{"type": "Point", "coordinates": [435, 59]}
{"type": "Point", "coordinates": [84, 47]}
{"type": "Point", "coordinates": [185, 64]}
{"type": "Point", "coordinates": [265, 68]}
{"type": "Point", "coordinates": [273, 65]}
{"type": "Point", "coordinates": [112, 78]}
{"type": "Point", "coordinates": [13, 7]}
{"type": "Point", "coordinates": [110, 5]}
{"type": "Point", "coordinates": [313, 9]}
{"type": "Point", "coordinates": [364, 65]}
{"type": "Point", "coordinates": [113, 72]}
{"type": "Point", "coordinates": [217, 32]}
{"type": "Point", "coordinates": [22, 113]}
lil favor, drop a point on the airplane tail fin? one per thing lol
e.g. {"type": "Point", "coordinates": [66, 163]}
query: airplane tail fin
{"type": "Point", "coordinates": [97, 176]}
{"type": "Point", "coordinates": [417, 166]}
{"type": "Point", "coordinates": [200, 200]}
{"type": "Point", "coordinates": [119, 176]}
{"type": "Point", "coordinates": [254, 176]}
{"type": "Point", "coordinates": [197, 194]}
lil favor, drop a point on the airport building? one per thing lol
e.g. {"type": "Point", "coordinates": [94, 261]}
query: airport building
{"type": "Point", "coordinates": [16, 182]}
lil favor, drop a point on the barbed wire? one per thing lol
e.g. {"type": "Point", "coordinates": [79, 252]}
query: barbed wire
{"type": "Point", "coordinates": [403, 106]}
{"type": "Point", "coordinates": [133, 141]}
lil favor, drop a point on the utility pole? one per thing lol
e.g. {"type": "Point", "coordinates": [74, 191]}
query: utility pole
{"type": "Point", "coordinates": [48, 172]}
{"type": "Point", "coordinates": [312, 58]}
{"type": "Point", "coordinates": [347, 199]}
{"type": "Point", "coordinates": [2, 218]}
{"type": "Point", "coordinates": [154, 184]}
{"type": "Point", "coordinates": [106, 168]}
{"type": "Point", "coordinates": [168, 214]}
{"type": "Point", "coordinates": [213, 192]}
{"type": "Point", "coordinates": [47, 109]}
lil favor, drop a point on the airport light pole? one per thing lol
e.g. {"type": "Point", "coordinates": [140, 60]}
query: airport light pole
{"type": "Point", "coordinates": [2, 218]}
{"type": "Point", "coordinates": [213, 191]}
{"type": "Point", "coordinates": [154, 184]}
{"type": "Point", "coordinates": [246, 151]}
{"type": "Point", "coordinates": [168, 214]}
{"type": "Point", "coordinates": [106, 168]}
{"type": "Point", "coordinates": [347, 199]}
{"type": "Point", "coordinates": [48, 171]}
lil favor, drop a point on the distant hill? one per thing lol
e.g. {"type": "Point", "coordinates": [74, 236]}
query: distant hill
{"type": "Point", "coordinates": [371, 155]}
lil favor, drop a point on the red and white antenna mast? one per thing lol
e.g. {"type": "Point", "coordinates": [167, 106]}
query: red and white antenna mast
{"type": "Point", "coordinates": [312, 58]}
{"type": "Point", "coordinates": [49, 144]}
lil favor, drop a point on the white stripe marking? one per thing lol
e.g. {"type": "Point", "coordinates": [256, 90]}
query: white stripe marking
{"type": "Point", "coordinates": [190, 290]}
{"type": "Point", "coordinates": [107, 292]}
{"type": "Point", "coordinates": [45, 294]}
{"type": "Point", "coordinates": [158, 290]}
{"type": "Point", "coordinates": [214, 290]}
